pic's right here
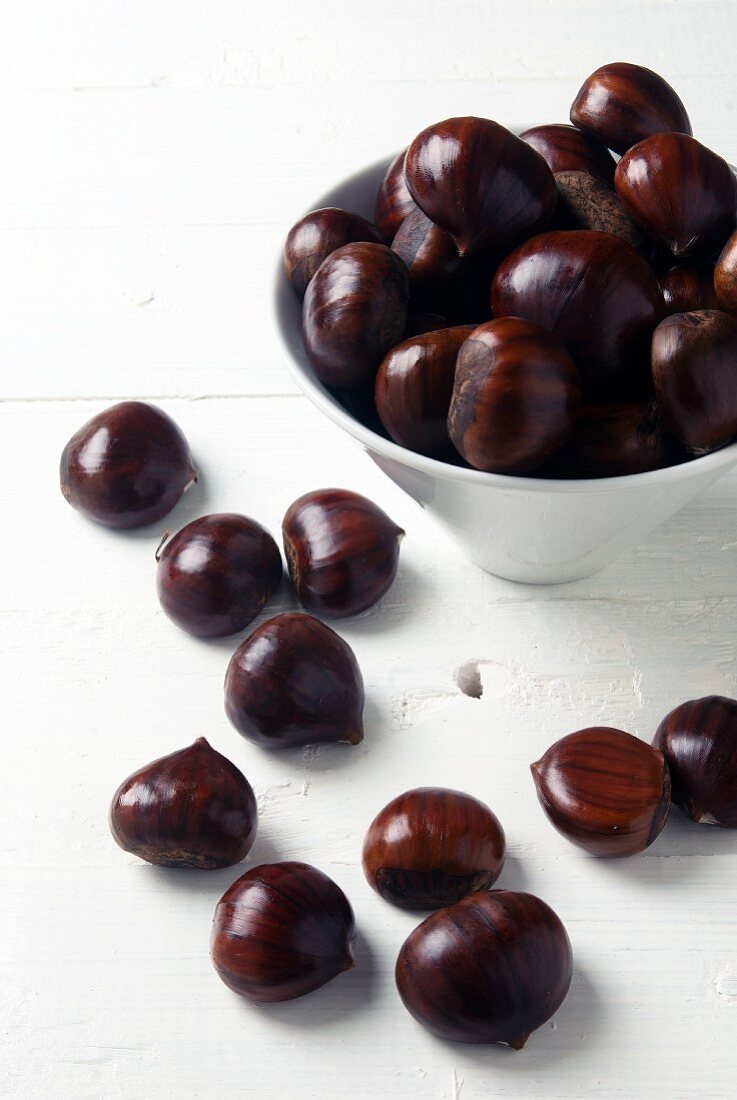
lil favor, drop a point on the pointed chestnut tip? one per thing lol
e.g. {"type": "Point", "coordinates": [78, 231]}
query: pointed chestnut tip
{"type": "Point", "coordinates": [202, 743]}
{"type": "Point", "coordinates": [348, 962]}
{"type": "Point", "coordinates": [536, 768]}
{"type": "Point", "coordinates": [519, 1042]}
{"type": "Point", "coordinates": [353, 737]}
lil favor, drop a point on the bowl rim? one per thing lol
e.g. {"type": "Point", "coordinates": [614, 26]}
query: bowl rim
{"type": "Point", "coordinates": [301, 372]}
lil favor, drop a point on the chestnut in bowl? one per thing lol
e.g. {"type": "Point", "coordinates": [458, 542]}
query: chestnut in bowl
{"type": "Point", "coordinates": [516, 396]}
{"type": "Point", "coordinates": [429, 847]}
{"type": "Point", "coordinates": [689, 286]}
{"type": "Point", "coordinates": [614, 440]}
{"type": "Point", "coordinates": [725, 276]}
{"type": "Point", "coordinates": [586, 202]}
{"type": "Point", "coordinates": [316, 235]}
{"type": "Point", "coordinates": [567, 149]}
{"type": "Point", "coordinates": [393, 200]}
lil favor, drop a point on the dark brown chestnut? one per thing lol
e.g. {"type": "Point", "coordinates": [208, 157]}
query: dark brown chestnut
{"type": "Point", "coordinates": [419, 322]}
{"type": "Point", "coordinates": [681, 193]}
{"type": "Point", "coordinates": [428, 252]}
{"type": "Point", "coordinates": [586, 202]}
{"type": "Point", "coordinates": [516, 396]}
{"type": "Point", "coordinates": [694, 362]}
{"type": "Point", "coordinates": [699, 742]}
{"type": "Point", "coordinates": [393, 201]}
{"type": "Point", "coordinates": [604, 790]}
{"type": "Point", "coordinates": [216, 574]}
{"type": "Point", "coordinates": [567, 149]}
{"type": "Point", "coordinates": [430, 847]}
{"type": "Point", "coordinates": [620, 104]}
{"type": "Point", "coordinates": [342, 551]}
{"type": "Point", "coordinates": [280, 931]}
{"type": "Point", "coordinates": [689, 286]}
{"type": "Point", "coordinates": [561, 280]}
{"type": "Point", "coordinates": [126, 467]}
{"type": "Point", "coordinates": [490, 969]}
{"type": "Point", "coordinates": [414, 387]}
{"type": "Point", "coordinates": [295, 682]}
{"type": "Point", "coordinates": [614, 440]}
{"type": "Point", "coordinates": [725, 276]}
{"type": "Point", "coordinates": [479, 183]}
{"type": "Point", "coordinates": [318, 234]}
{"type": "Point", "coordinates": [191, 809]}
{"type": "Point", "coordinates": [354, 310]}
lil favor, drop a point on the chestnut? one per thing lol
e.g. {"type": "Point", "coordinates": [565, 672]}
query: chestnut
{"type": "Point", "coordinates": [680, 193]}
{"type": "Point", "coordinates": [191, 809]}
{"type": "Point", "coordinates": [127, 466]}
{"type": "Point", "coordinates": [604, 790]}
{"type": "Point", "coordinates": [614, 440]}
{"type": "Point", "coordinates": [318, 234]}
{"type": "Point", "coordinates": [295, 682]}
{"type": "Point", "coordinates": [342, 551]}
{"type": "Point", "coordinates": [216, 574]}
{"type": "Point", "coordinates": [586, 202]}
{"type": "Point", "coordinates": [428, 252]}
{"type": "Point", "coordinates": [280, 931]}
{"type": "Point", "coordinates": [689, 286]}
{"type": "Point", "coordinates": [430, 847]}
{"type": "Point", "coordinates": [561, 280]}
{"type": "Point", "coordinates": [354, 310]}
{"type": "Point", "coordinates": [490, 969]}
{"type": "Point", "coordinates": [694, 363]}
{"type": "Point", "coordinates": [516, 396]}
{"type": "Point", "coordinates": [479, 182]}
{"type": "Point", "coordinates": [620, 104]}
{"type": "Point", "coordinates": [413, 390]}
{"type": "Point", "coordinates": [699, 742]}
{"type": "Point", "coordinates": [393, 201]}
{"type": "Point", "coordinates": [725, 276]}
{"type": "Point", "coordinates": [567, 149]}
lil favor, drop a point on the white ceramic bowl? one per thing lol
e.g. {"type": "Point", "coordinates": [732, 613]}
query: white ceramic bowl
{"type": "Point", "coordinates": [521, 528]}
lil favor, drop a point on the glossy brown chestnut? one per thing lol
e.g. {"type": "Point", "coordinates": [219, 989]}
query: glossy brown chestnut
{"type": "Point", "coordinates": [414, 387]}
{"type": "Point", "coordinates": [516, 397]}
{"type": "Point", "coordinates": [295, 682]}
{"type": "Point", "coordinates": [612, 441]}
{"type": "Point", "coordinates": [567, 149]}
{"type": "Point", "coordinates": [191, 809]}
{"type": "Point", "coordinates": [126, 467]}
{"type": "Point", "coordinates": [417, 323]}
{"type": "Point", "coordinates": [620, 104]}
{"type": "Point", "coordinates": [689, 286]}
{"type": "Point", "coordinates": [490, 969]}
{"type": "Point", "coordinates": [585, 202]}
{"type": "Point", "coordinates": [318, 234]}
{"type": "Point", "coordinates": [694, 362]}
{"type": "Point", "coordinates": [430, 847]}
{"type": "Point", "coordinates": [342, 551]}
{"type": "Point", "coordinates": [561, 281]}
{"type": "Point", "coordinates": [428, 252]}
{"type": "Point", "coordinates": [354, 310]}
{"type": "Point", "coordinates": [479, 182]}
{"type": "Point", "coordinates": [725, 276]}
{"type": "Point", "coordinates": [604, 790]}
{"type": "Point", "coordinates": [681, 193]}
{"type": "Point", "coordinates": [393, 201]}
{"type": "Point", "coordinates": [280, 931]}
{"type": "Point", "coordinates": [216, 574]}
{"type": "Point", "coordinates": [699, 742]}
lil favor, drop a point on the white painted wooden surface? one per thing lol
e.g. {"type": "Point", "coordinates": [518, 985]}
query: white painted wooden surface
{"type": "Point", "coordinates": [154, 153]}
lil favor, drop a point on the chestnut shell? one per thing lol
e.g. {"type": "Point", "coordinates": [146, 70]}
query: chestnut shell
{"type": "Point", "coordinates": [586, 202]}
{"type": "Point", "coordinates": [318, 234]}
{"type": "Point", "coordinates": [354, 310]}
{"type": "Point", "coordinates": [216, 574]}
{"type": "Point", "coordinates": [516, 396]}
{"type": "Point", "coordinates": [567, 149]}
{"type": "Point", "coordinates": [560, 280]}
{"type": "Point", "coordinates": [190, 809]}
{"type": "Point", "coordinates": [342, 551]}
{"type": "Point", "coordinates": [725, 276]}
{"type": "Point", "coordinates": [604, 790]}
{"type": "Point", "coordinates": [620, 104]}
{"type": "Point", "coordinates": [280, 931]}
{"type": "Point", "coordinates": [393, 200]}
{"type": "Point", "coordinates": [613, 440]}
{"type": "Point", "coordinates": [694, 363]}
{"type": "Point", "coordinates": [699, 742]}
{"type": "Point", "coordinates": [689, 286]}
{"type": "Point", "coordinates": [295, 682]}
{"type": "Point", "coordinates": [127, 466]}
{"type": "Point", "coordinates": [479, 182]}
{"type": "Point", "coordinates": [413, 390]}
{"type": "Point", "coordinates": [429, 847]}
{"type": "Point", "coordinates": [490, 969]}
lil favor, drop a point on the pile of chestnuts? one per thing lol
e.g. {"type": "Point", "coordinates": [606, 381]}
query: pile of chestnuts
{"type": "Point", "coordinates": [523, 304]}
{"type": "Point", "coordinates": [562, 303]}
